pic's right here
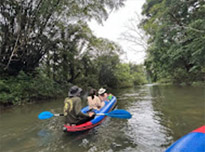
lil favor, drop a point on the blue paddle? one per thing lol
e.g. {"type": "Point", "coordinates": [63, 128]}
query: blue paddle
{"type": "Point", "coordinates": [118, 113]}
{"type": "Point", "coordinates": [45, 115]}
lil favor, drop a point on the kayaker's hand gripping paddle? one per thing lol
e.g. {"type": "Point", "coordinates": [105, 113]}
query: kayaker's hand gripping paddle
{"type": "Point", "coordinates": [118, 113]}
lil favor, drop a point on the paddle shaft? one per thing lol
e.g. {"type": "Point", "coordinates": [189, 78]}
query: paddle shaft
{"type": "Point", "coordinates": [119, 113]}
{"type": "Point", "coordinates": [100, 114]}
{"type": "Point", "coordinates": [58, 114]}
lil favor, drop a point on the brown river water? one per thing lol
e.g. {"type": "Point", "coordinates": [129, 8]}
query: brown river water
{"type": "Point", "coordinates": [160, 116]}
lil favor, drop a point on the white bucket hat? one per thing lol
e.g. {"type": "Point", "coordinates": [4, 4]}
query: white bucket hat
{"type": "Point", "coordinates": [101, 91]}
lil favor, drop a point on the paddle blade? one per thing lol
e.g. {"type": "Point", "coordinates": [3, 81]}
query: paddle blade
{"type": "Point", "coordinates": [45, 115]}
{"type": "Point", "coordinates": [119, 113]}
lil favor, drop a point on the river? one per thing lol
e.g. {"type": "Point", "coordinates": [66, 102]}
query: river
{"type": "Point", "coordinates": [160, 116]}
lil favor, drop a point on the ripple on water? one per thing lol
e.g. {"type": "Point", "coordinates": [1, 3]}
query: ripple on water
{"type": "Point", "coordinates": [145, 127]}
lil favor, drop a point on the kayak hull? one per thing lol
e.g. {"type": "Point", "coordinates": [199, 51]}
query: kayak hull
{"type": "Point", "coordinates": [109, 106]}
{"type": "Point", "coordinates": [192, 142]}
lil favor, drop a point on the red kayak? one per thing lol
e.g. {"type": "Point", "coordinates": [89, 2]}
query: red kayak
{"type": "Point", "coordinates": [109, 106]}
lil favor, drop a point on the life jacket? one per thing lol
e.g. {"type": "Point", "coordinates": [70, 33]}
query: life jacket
{"type": "Point", "coordinates": [71, 113]}
{"type": "Point", "coordinates": [68, 106]}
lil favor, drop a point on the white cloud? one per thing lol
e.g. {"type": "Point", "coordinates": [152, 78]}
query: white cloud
{"type": "Point", "coordinates": [115, 25]}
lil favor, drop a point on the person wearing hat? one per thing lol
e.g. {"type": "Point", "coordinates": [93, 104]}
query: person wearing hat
{"type": "Point", "coordinates": [94, 101]}
{"type": "Point", "coordinates": [73, 106]}
{"type": "Point", "coordinates": [103, 95]}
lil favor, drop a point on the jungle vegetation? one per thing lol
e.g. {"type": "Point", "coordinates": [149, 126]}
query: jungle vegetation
{"type": "Point", "coordinates": [176, 50]}
{"type": "Point", "coordinates": [46, 46]}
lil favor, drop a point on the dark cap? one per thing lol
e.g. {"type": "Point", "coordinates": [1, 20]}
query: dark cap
{"type": "Point", "coordinates": [74, 91]}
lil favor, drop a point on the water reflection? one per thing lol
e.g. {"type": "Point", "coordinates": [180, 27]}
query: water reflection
{"type": "Point", "coordinates": [182, 108]}
{"type": "Point", "coordinates": [144, 128]}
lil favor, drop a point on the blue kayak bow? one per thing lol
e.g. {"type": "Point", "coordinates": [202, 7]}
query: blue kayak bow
{"type": "Point", "coordinates": [118, 113]}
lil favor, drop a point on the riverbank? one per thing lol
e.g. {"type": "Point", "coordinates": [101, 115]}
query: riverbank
{"type": "Point", "coordinates": [170, 82]}
{"type": "Point", "coordinates": [39, 85]}
{"type": "Point", "coordinates": [26, 88]}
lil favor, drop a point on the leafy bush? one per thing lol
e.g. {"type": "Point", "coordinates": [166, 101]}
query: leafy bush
{"type": "Point", "coordinates": [123, 75]}
{"type": "Point", "coordinates": [128, 75]}
{"type": "Point", "coordinates": [16, 90]}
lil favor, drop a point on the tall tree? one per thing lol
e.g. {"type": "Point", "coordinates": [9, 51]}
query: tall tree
{"type": "Point", "coordinates": [135, 35]}
{"type": "Point", "coordinates": [27, 28]}
{"type": "Point", "coordinates": [176, 30]}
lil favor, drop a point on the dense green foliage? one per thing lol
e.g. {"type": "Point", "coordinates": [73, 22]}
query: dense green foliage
{"type": "Point", "coordinates": [46, 46]}
{"type": "Point", "coordinates": [23, 88]}
{"type": "Point", "coordinates": [32, 28]}
{"type": "Point", "coordinates": [128, 75]}
{"type": "Point", "coordinates": [176, 32]}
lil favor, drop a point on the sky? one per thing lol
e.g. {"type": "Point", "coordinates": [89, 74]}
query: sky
{"type": "Point", "coordinates": [116, 24]}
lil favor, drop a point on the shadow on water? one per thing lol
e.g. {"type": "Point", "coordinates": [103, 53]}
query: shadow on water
{"type": "Point", "coordinates": [161, 114]}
